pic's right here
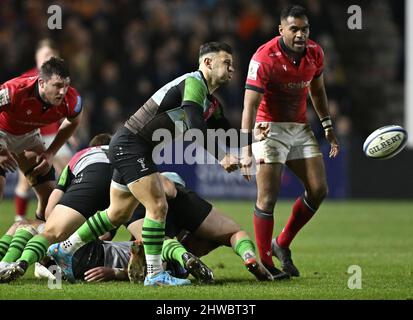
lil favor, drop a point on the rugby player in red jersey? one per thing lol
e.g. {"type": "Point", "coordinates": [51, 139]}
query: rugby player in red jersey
{"type": "Point", "coordinates": [46, 49]}
{"type": "Point", "coordinates": [281, 74]}
{"type": "Point", "coordinates": [27, 104]}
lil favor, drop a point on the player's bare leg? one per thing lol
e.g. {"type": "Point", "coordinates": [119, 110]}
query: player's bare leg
{"type": "Point", "coordinates": [219, 229]}
{"type": "Point", "coordinates": [312, 174]}
{"type": "Point", "coordinates": [42, 185]}
{"type": "Point", "coordinates": [61, 223]}
{"type": "Point", "coordinates": [151, 194]}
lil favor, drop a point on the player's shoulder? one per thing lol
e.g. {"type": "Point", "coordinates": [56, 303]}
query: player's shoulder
{"type": "Point", "coordinates": [266, 52]}
{"type": "Point", "coordinates": [21, 82]}
{"type": "Point", "coordinates": [314, 49]}
{"type": "Point", "coordinates": [18, 87]}
{"type": "Point", "coordinates": [30, 73]}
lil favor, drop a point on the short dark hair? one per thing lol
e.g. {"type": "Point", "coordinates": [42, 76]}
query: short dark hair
{"type": "Point", "coordinates": [295, 11]}
{"type": "Point", "coordinates": [214, 47]}
{"type": "Point", "coordinates": [53, 66]}
{"type": "Point", "coordinates": [101, 139]}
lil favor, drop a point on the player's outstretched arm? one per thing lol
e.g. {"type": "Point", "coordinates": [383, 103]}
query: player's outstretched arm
{"type": "Point", "coordinates": [105, 274]}
{"type": "Point", "coordinates": [252, 100]}
{"type": "Point", "coordinates": [196, 121]}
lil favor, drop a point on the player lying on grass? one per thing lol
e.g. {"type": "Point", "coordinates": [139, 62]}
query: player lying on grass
{"type": "Point", "coordinates": [104, 260]}
{"type": "Point", "coordinates": [189, 212]}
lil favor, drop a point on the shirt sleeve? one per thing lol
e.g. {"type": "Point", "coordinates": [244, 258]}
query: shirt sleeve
{"type": "Point", "coordinates": [258, 75]}
{"type": "Point", "coordinates": [194, 92]}
{"type": "Point", "coordinates": [75, 103]}
{"type": "Point", "coordinates": [319, 61]}
{"type": "Point", "coordinates": [65, 179]}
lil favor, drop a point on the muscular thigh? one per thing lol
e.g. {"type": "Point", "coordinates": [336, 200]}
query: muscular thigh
{"type": "Point", "coordinates": [62, 222]}
{"type": "Point", "coordinates": [217, 228]}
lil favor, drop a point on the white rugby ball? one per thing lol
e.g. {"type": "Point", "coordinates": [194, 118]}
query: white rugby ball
{"type": "Point", "coordinates": [385, 142]}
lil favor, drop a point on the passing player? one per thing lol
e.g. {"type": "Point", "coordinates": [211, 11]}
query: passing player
{"type": "Point", "coordinates": [182, 104]}
{"type": "Point", "coordinates": [281, 74]}
{"type": "Point", "coordinates": [27, 104]}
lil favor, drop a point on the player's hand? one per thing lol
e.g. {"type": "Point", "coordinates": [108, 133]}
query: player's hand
{"type": "Point", "coordinates": [261, 131]}
{"type": "Point", "coordinates": [99, 274]}
{"type": "Point", "coordinates": [7, 161]}
{"type": "Point", "coordinates": [44, 163]}
{"type": "Point", "coordinates": [246, 163]}
{"type": "Point", "coordinates": [331, 138]}
{"type": "Point", "coordinates": [230, 162]}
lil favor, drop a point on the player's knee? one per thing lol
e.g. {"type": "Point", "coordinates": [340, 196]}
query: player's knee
{"type": "Point", "coordinates": [118, 216]}
{"type": "Point", "coordinates": [158, 210]}
{"type": "Point", "coordinates": [266, 203]}
{"type": "Point", "coordinates": [54, 234]}
{"type": "Point", "coordinates": [317, 195]}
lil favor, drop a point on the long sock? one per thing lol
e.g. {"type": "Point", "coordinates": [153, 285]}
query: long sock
{"type": "Point", "coordinates": [20, 238]}
{"type": "Point", "coordinates": [4, 244]}
{"type": "Point", "coordinates": [20, 202]}
{"type": "Point", "coordinates": [93, 228]}
{"type": "Point", "coordinates": [263, 227]}
{"type": "Point", "coordinates": [245, 248]}
{"type": "Point", "coordinates": [302, 213]}
{"type": "Point", "coordinates": [153, 234]}
{"type": "Point", "coordinates": [173, 250]}
{"type": "Point", "coordinates": [35, 249]}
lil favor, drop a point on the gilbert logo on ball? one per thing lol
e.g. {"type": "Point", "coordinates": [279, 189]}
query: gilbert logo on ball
{"type": "Point", "coordinates": [385, 142]}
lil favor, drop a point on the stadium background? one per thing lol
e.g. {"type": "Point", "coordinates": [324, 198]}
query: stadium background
{"type": "Point", "coordinates": [120, 52]}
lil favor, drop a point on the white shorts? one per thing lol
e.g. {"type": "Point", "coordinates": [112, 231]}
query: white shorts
{"type": "Point", "coordinates": [18, 143]}
{"type": "Point", "coordinates": [286, 141]}
{"type": "Point", "coordinates": [64, 151]}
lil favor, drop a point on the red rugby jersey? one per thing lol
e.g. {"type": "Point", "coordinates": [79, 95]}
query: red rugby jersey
{"type": "Point", "coordinates": [22, 110]}
{"type": "Point", "coordinates": [284, 85]}
{"type": "Point", "coordinates": [50, 128]}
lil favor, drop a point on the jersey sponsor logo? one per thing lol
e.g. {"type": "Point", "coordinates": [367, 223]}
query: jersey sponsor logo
{"type": "Point", "coordinates": [4, 97]}
{"type": "Point", "coordinates": [296, 85]}
{"type": "Point", "coordinates": [253, 70]}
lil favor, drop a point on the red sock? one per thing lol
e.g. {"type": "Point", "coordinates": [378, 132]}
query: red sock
{"type": "Point", "coordinates": [301, 214]}
{"type": "Point", "coordinates": [263, 227]}
{"type": "Point", "coordinates": [20, 204]}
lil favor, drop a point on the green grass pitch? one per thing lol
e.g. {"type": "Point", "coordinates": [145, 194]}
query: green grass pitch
{"type": "Point", "coordinates": [377, 236]}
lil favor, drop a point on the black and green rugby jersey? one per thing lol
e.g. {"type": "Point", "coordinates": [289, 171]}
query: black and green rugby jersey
{"type": "Point", "coordinates": [164, 110]}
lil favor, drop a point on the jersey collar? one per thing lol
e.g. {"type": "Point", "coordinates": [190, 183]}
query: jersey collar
{"type": "Point", "coordinates": [45, 105]}
{"type": "Point", "coordinates": [290, 54]}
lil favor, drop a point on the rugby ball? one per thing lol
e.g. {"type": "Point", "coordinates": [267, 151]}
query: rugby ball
{"type": "Point", "coordinates": [385, 142]}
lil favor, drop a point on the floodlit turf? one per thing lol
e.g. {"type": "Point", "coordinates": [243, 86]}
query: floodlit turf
{"type": "Point", "coordinates": [377, 236]}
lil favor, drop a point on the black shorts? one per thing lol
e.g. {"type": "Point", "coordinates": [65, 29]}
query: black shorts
{"type": "Point", "coordinates": [90, 256]}
{"type": "Point", "coordinates": [131, 157]}
{"type": "Point", "coordinates": [89, 190]}
{"type": "Point", "coordinates": [186, 211]}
